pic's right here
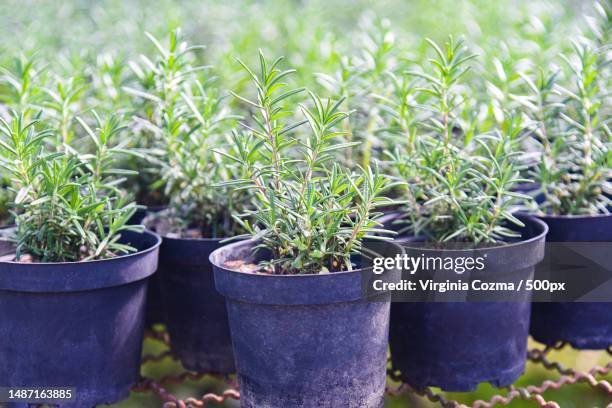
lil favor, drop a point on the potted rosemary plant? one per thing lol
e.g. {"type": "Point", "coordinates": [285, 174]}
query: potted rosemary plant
{"type": "Point", "coordinates": [72, 292]}
{"type": "Point", "coordinates": [155, 88]}
{"type": "Point", "coordinates": [190, 120]}
{"type": "Point", "coordinates": [458, 193]}
{"type": "Point", "coordinates": [572, 133]}
{"type": "Point", "coordinates": [304, 333]}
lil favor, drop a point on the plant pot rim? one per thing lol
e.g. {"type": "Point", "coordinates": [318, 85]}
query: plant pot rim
{"type": "Point", "coordinates": [571, 216]}
{"type": "Point", "coordinates": [188, 239]}
{"type": "Point", "coordinates": [153, 247]}
{"type": "Point", "coordinates": [304, 289]}
{"type": "Point", "coordinates": [250, 242]}
{"type": "Point", "coordinates": [157, 207]}
{"type": "Point", "coordinates": [63, 277]}
{"type": "Point", "coordinates": [523, 242]}
{"type": "Point", "coordinates": [188, 251]}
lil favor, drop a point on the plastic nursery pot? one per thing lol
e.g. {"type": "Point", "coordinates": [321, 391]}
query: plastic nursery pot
{"type": "Point", "coordinates": [585, 325]}
{"type": "Point", "coordinates": [194, 312]}
{"type": "Point", "coordinates": [455, 345]}
{"type": "Point", "coordinates": [76, 324]}
{"type": "Point", "coordinates": [305, 340]}
{"type": "Point", "coordinates": [154, 313]}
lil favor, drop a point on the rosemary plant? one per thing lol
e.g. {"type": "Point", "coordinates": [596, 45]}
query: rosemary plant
{"type": "Point", "coordinates": [309, 214]}
{"type": "Point", "coordinates": [68, 207]}
{"type": "Point", "coordinates": [6, 197]}
{"type": "Point", "coordinates": [158, 109]}
{"type": "Point", "coordinates": [189, 118]}
{"type": "Point", "coordinates": [572, 132]}
{"type": "Point", "coordinates": [20, 84]}
{"type": "Point", "coordinates": [108, 75]}
{"type": "Point", "coordinates": [458, 182]}
{"type": "Point", "coordinates": [62, 102]}
{"type": "Point", "coordinates": [357, 82]}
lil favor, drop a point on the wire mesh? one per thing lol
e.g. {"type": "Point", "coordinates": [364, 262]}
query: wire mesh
{"type": "Point", "coordinates": [534, 393]}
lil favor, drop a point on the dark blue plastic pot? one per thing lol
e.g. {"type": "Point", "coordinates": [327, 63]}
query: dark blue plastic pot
{"type": "Point", "coordinates": [305, 340]}
{"type": "Point", "coordinates": [195, 313]}
{"type": "Point", "coordinates": [154, 313]}
{"type": "Point", "coordinates": [457, 345]}
{"type": "Point", "coordinates": [77, 324]}
{"type": "Point", "coordinates": [585, 325]}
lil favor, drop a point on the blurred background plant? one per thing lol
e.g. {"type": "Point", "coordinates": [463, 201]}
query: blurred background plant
{"type": "Point", "coordinates": [180, 116]}
{"type": "Point", "coordinates": [158, 113]}
{"type": "Point", "coordinates": [571, 132]}
{"type": "Point", "coordinates": [458, 181]}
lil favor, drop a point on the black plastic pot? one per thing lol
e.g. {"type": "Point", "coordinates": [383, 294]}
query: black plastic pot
{"type": "Point", "coordinates": [154, 312]}
{"type": "Point", "coordinates": [77, 324]}
{"type": "Point", "coordinates": [194, 312]}
{"type": "Point", "coordinates": [456, 345]}
{"type": "Point", "coordinates": [305, 340]}
{"type": "Point", "coordinates": [585, 325]}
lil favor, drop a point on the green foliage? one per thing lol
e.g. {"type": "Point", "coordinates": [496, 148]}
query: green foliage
{"type": "Point", "coordinates": [458, 181]}
{"type": "Point", "coordinates": [159, 111]}
{"type": "Point", "coordinates": [309, 214]}
{"type": "Point", "coordinates": [20, 84]}
{"type": "Point", "coordinates": [187, 117]}
{"type": "Point", "coordinates": [62, 102]}
{"type": "Point", "coordinates": [6, 197]}
{"type": "Point", "coordinates": [601, 24]}
{"type": "Point", "coordinates": [67, 206]}
{"type": "Point", "coordinates": [358, 81]}
{"type": "Point", "coordinates": [571, 128]}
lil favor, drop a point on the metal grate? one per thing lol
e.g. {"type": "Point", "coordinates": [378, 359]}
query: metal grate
{"type": "Point", "coordinates": [534, 393]}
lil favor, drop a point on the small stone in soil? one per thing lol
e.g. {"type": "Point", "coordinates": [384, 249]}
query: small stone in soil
{"type": "Point", "coordinates": [241, 266]}
{"type": "Point", "coordinates": [26, 258]}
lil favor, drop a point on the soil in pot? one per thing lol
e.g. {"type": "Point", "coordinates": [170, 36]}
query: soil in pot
{"type": "Point", "coordinates": [77, 324]}
{"type": "Point", "coordinates": [305, 340]}
{"type": "Point", "coordinates": [585, 325]}
{"type": "Point", "coordinates": [457, 345]}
